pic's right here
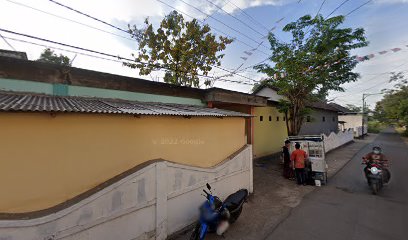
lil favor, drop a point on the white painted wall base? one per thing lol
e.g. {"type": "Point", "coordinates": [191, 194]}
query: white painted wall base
{"type": "Point", "coordinates": [151, 203]}
{"type": "Point", "coordinates": [335, 140]}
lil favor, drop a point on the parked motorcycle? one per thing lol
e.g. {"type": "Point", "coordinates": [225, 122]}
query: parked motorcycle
{"type": "Point", "coordinates": [215, 215]}
{"type": "Point", "coordinates": [374, 174]}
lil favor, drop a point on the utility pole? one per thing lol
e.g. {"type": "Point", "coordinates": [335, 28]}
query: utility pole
{"type": "Point", "coordinates": [362, 118]}
{"type": "Point", "coordinates": [365, 95]}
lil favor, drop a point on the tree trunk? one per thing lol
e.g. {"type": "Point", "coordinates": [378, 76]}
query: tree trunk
{"type": "Point", "coordinates": [296, 119]}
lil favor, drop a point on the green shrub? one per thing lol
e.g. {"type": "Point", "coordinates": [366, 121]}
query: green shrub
{"type": "Point", "coordinates": [375, 126]}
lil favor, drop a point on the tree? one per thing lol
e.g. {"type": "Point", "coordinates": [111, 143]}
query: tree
{"type": "Point", "coordinates": [184, 49]}
{"type": "Point", "coordinates": [353, 108]}
{"type": "Point", "coordinates": [393, 108]}
{"type": "Point", "coordinates": [316, 60]}
{"type": "Point", "coordinates": [49, 56]}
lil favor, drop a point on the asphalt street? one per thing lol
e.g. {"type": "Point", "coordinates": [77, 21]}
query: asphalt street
{"type": "Point", "coordinates": [346, 208]}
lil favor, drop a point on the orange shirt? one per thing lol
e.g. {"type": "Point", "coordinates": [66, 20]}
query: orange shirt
{"type": "Point", "coordinates": [299, 157]}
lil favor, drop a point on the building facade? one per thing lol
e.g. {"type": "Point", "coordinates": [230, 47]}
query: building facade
{"type": "Point", "coordinates": [321, 120]}
{"type": "Point", "coordinates": [88, 155]}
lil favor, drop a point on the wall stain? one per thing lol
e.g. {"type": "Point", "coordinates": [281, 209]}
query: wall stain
{"type": "Point", "coordinates": [192, 181]}
{"type": "Point", "coordinates": [116, 200]}
{"type": "Point", "coordinates": [141, 190]}
{"type": "Point", "coordinates": [85, 216]}
{"type": "Point", "coordinates": [177, 181]}
{"type": "Point", "coordinates": [47, 229]}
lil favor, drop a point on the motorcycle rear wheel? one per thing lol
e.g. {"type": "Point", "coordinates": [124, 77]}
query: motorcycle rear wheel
{"type": "Point", "coordinates": [235, 215]}
{"type": "Point", "coordinates": [196, 232]}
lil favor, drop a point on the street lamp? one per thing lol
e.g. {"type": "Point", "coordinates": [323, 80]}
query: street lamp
{"type": "Point", "coordinates": [365, 95]}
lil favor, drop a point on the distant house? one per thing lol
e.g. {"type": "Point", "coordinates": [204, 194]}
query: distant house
{"type": "Point", "coordinates": [322, 120]}
{"type": "Point", "coordinates": [349, 119]}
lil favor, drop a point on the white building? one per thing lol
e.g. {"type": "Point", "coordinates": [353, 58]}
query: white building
{"type": "Point", "coordinates": [349, 119]}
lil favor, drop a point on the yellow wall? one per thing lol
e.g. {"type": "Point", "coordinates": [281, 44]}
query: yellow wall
{"type": "Point", "coordinates": [47, 160]}
{"type": "Point", "coordinates": [269, 136]}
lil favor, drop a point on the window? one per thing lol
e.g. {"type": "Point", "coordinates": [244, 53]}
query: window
{"type": "Point", "coordinates": [270, 118]}
{"type": "Point", "coordinates": [324, 119]}
{"type": "Point", "coordinates": [261, 118]}
{"type": "Point", "coordinates": [277, 118]}
{"type": "Point", "coordinates": [308, 119]}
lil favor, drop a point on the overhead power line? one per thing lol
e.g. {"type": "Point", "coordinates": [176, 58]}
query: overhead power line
{"type": "Point", "coordinates": [89, 16]}
{"type": "Point", "coordinates": [372, 78]}
{"type": "Point", "coordinates": [108, 59]}
{"type": "Point", "coordinates": [68, 19]}
{"type": "Point", "coordinates": [112, 55]}
{"type": "Point", "coordinates": [61, 49]}
{"type": "Point", "coordinates": [362, 5]}
{"type": "Point", "coordinates": [221, 22]}
{"type": "Point", "coordinates": [341, 4]}
{"type": "Point", "coordinates": [306, 33]}
{"type": "Point", "coordinates": [5, 40]}
{"type": "Point", "coordinates": [249, 16]}
{"type": "Point", "coordinates": [320, 8]}
{"type": "Point", "coordinates": [216, 29]}
{"type": "Point", "coordinates": [239, 20]}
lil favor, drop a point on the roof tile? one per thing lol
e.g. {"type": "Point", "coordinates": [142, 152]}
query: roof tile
{"type": "Point", "coordinates": [26, 102]}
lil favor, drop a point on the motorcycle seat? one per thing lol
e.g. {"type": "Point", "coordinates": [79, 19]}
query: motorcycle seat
{"type": "Point", "coordinates": [236, 199]}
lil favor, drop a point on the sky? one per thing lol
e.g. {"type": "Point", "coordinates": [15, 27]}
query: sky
{"type": "Point", "coordinates": [248, 22]}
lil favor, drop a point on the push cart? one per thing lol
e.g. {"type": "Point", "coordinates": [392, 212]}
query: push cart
{"type": "Point", "coordinates": [313, 145]}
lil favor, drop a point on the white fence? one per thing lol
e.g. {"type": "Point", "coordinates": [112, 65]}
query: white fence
{"type": "Point", "coordinates": [335, 140]}
{"type": "Point", "coordinates": [358, 130]}
{"type": "Point", "coordinates": [151, 203]}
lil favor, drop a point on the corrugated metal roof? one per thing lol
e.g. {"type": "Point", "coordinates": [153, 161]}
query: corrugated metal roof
{"type": "Point", "coordinates": [26, 102]}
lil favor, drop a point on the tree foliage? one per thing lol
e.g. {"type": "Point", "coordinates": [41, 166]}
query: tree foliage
{"type": "Point", "coordinates": [316, 60]}
{"type": "Point", "coordinates": [184, 49]}
{"type": "Point", "coordinates": [393, 108]}
{"type": "Point", "coordinates": [49, 56]}
{"type": "Point", "coordinates": [353, 108]}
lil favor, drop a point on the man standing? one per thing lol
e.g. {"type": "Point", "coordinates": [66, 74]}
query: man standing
{"type": "Point", "coordinates": [287, 169]}
{"type": "Point", "coordinates": [298, 158]}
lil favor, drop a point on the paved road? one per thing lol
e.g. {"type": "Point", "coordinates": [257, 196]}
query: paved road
{"type": "Point", "coordinates": [346, 209]}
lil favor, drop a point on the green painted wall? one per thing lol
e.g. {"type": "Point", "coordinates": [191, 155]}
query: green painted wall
{"type": "Point", "coordinates": [64, 90]}
{"type": "Point", "coordinates": [25, 86]}
{"type": "Point", "coordinates": [108, 93]}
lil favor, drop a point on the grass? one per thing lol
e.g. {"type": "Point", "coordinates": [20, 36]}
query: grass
{"type": "Point", "coordinates": [402, 130]}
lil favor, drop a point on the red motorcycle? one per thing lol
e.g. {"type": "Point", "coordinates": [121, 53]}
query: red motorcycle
{"type": "Point", "coordinates": [374, 175]}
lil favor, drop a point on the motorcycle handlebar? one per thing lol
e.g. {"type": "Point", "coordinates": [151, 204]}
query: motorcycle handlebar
{"type": "Point", "coordinates": [206, 192]}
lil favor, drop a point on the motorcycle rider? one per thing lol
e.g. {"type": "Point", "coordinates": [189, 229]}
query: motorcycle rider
{"type": "Point", "coordinates": [376, 156]}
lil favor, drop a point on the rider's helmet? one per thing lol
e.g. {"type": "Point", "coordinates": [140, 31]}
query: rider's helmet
{"type": "Point", "coordinates": [376, 150]}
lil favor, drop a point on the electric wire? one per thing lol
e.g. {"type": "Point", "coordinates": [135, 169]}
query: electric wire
{"type": "Point", "coordinates": [249, 16]}
{"type": "Point", "coordinates": [362, 5]}
{"type": "Point", "coordinates": [118, 57]}
{"type": "Point", "coordinates": [239, 20]}
{"type": "Point", "coordinates": [68, 19]}
{"type": "Point", "coordinates": [216, 29]}
{"type": "Point", "coordinates": [337, 8]}
{"type": "Point", "coordinates": [221, 22]}
{"type": "Point", "coordinates": [5, 40]}
{"type": "Point", "coordinates": [89, 16]}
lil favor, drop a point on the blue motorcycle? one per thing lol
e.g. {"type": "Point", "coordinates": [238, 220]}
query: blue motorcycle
{"type": "Point", "coordinates": [215, 215]}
